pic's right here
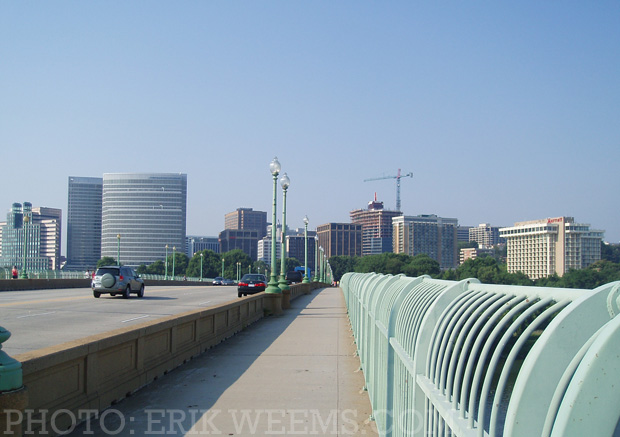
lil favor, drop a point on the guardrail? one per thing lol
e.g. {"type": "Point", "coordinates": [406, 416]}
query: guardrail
{"type": "Point", "coordinates": [471, 359]}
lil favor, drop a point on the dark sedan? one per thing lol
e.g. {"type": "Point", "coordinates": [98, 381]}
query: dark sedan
{"type": "Point", "coordinates": [251, 283]}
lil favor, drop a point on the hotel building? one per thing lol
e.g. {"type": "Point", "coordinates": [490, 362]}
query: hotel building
{"type": "Point", "coordinates": [541, 248]}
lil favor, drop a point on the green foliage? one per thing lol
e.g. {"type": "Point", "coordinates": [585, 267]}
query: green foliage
{"type": "Point", "coordinates": [421, 264]}
{"type": "Point", "coordinates": [467, 245]}
{"type": "Point", "coordinates": [106, 261]}
{"type": "Point", "coordinates": [610, 252]}
{"type": "Point", "coordinates": [211, 265]}
{"type": "Point", "coordinates": [340, 265]}
{"type": "Point", "coordinates": [231, 259]}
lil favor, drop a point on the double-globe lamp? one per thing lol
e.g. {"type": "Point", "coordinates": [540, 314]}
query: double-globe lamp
{"type": "Point", "coordinates": [272, 286]}
{"type": "Point", "coordinates": [285, 182]}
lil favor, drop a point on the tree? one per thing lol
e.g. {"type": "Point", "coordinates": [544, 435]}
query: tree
{"type": "Point", "coordinates": [106, 261]}
{"type": "Point", "coordinates": [340, 265]}
{"type": "Point", "coordinates": [610, 252]}
{"type": "Point", "coordinates": [422, 264]}
{"type": "Point", "coordinates": [211, 265]}
{"type": "Point", "coordinates": [179, 264]}
{"type": "Point", "coordinates": [231, 258]}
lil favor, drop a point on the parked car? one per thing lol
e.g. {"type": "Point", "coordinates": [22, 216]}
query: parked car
{"type": "Point", "coordinates": [226, 281]}
{"type": "Point", "coordinates": [117, 280]}
{"type": "Point", "coordinates": [294, 277]}
{"type": "Point", "coordinates": [217, 281]}
{"type": "Point", "coordinates": [251, 283]}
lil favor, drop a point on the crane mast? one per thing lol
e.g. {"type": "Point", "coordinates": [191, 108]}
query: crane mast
{"type": "Point", "coordinates": [398, 178]}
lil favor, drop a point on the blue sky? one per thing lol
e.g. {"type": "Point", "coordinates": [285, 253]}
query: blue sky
{"type": "Point", "coordinates": [503, 111]}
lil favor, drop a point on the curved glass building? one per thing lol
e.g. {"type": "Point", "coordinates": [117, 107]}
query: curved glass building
{"type": "Point", "coordinates": [141, 214]}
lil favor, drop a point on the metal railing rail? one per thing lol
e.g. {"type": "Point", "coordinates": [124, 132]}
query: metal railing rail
{"type": "Point", "coordinates": [470, 359]}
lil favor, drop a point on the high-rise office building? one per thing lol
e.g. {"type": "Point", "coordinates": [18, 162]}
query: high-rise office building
{"type": "Point", "coordinates": [84, 222]}
{"type": "Point", "coordinates": [462, 233]}
{"type": "Point", "coordinates": [263, 252]}
{"type": "Point", "coordinates": [376, 227]}
{"type": "Point", "coordinates": [485, 235]}
{"type": "Point", "coordinates": [247, 218]}
{"type": "Point", "coordinates": [296, 247]}
{"type": "Point", "coordinates": [540, 248]}
{"type": "Point", "coordinates": [194, 244]}
{"type": "Point", "coordinates": [33, 235]}
{"type": "Point", "coordinates": [340, 239]}
{"type": "Point", "coordinates": [242, 239]}
{"type": "Point", "coordinates": [429, 234]}
{"type": "Point", "coordinates": [141, 214]}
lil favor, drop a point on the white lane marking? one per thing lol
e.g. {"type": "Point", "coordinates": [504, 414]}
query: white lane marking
{"type": "Point", "coordinates": [135, 318]}
{"type": "Point", "coordinates": [35, 315]}
{"type": "Point", "coordinates": [203, 303]}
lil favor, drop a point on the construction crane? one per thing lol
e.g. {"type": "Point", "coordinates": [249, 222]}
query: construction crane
{"type": "Point", "coordinates": [397, 177]}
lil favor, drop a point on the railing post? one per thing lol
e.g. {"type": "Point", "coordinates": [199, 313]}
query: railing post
{"type": "Point", "coordinates": [13, 395]}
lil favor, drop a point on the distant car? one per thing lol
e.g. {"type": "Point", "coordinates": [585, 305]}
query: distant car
{"type": "Point", "coordinates": [294, 277]}
{"type": "Point", "coordinates": [228, 282]}
{"type": "Point", "coordinates": [218, 281]}
{"type": "Point", "coordinates": [251, 283]}
{"type": "Point", "coordinates": [117, 280]}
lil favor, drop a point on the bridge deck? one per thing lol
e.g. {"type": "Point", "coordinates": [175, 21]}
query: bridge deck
{"type": "Point", "coordinates": [295, 374]}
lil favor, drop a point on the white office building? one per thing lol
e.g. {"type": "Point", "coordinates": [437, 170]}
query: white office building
{"type": "Point", "coordinates": [540, 248]}
{"type": "Point", "coordinates": [141, 214]}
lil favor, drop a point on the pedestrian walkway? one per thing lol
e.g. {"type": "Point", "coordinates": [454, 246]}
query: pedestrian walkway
{"type": "Point", "coordinates": [295, 374]}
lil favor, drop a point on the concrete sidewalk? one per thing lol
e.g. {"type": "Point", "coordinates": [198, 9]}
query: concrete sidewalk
{"type": "Point", "coordinates": [295, 374]}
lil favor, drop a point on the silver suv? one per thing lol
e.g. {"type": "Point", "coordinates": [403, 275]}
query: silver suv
{"type": "Point", "coordinates": [117, 280]}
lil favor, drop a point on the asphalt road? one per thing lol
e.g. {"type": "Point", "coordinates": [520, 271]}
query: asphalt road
{"type": "Point", "coordinates": [42, 318]}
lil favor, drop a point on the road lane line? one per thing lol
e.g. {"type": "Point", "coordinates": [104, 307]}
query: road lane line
{"type": "Point", "coordinates": [203, 303]}
{"type": "Point", "coordinates": [35, 315]}
{"type": "Point", "coordinates": [135, 318]}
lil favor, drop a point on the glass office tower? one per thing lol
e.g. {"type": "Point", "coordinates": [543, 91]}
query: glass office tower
{"type": "Point", "coordinates": [141, 214]}
{"type": "Point", "coordinates": [84, 223]}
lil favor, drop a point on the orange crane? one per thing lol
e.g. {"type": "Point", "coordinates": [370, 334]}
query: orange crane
{"type": "Point", "coordinates": [397, 177]}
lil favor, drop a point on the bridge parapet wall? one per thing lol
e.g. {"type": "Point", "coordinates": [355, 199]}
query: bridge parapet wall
{"type": "Point", "coordinates": [474, 359]}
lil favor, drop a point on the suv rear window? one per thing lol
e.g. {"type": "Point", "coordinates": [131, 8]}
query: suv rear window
{"type": "Point", "coordinates": [111, 270]}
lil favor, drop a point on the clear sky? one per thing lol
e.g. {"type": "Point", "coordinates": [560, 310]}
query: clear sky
{"type": "Point", "coordinates": [503, 111]}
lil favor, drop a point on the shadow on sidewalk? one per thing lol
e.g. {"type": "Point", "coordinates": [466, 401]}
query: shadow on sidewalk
{"type": "Point", "coordinates": [175, 402]}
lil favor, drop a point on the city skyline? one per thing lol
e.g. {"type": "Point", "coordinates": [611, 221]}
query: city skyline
{"type": "Point", "coordinates": [502, 112]}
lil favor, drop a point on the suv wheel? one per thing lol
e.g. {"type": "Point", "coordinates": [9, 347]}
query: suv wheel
{"type": "Point", "coordinates": [126, 292]}
{"type": "Point", "coordinates": [96, 294]}
{"type": "Point", "coordinates": [141, 292]}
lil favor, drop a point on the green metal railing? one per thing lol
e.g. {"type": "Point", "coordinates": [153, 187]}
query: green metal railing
{"type": "Point", "coordinates": [63, 274]}
{"type": "Point", "coordinates": [471, 359]}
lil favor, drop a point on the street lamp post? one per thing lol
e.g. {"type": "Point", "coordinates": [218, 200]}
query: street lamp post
{"type": "Point", "coordinates": [285, 182]}
{"type": "Point", "coordinates": [24, 274]}
{"type": "Point", "coordinates": [222, 267]}
{"type": "Point", "coordinates": [272, 287]}
{"type": "Point", "coordinates": [202, 255]}
{"type": "Point", "coordinates": [306, 279]}
{"type": "Point", "coordinates": [174, 249]}
{"type": "Point", "coordinates": [166, 276]}
{"type": "Point", "coordinates": [324, 268]}
{"type": "Point", "coordinates": [238, 267]}
{"type": "Point", "coordinates": [316, 258]}
{"type": "Point", "coordinates": [321, 256]}
{"type": "Point", "coordinates": [118, 250]}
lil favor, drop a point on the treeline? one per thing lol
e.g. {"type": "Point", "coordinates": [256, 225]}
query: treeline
{"type": "Point", "coordinates": [207, 262]}
{"type": "Point", "coordinates": [487, 269]}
